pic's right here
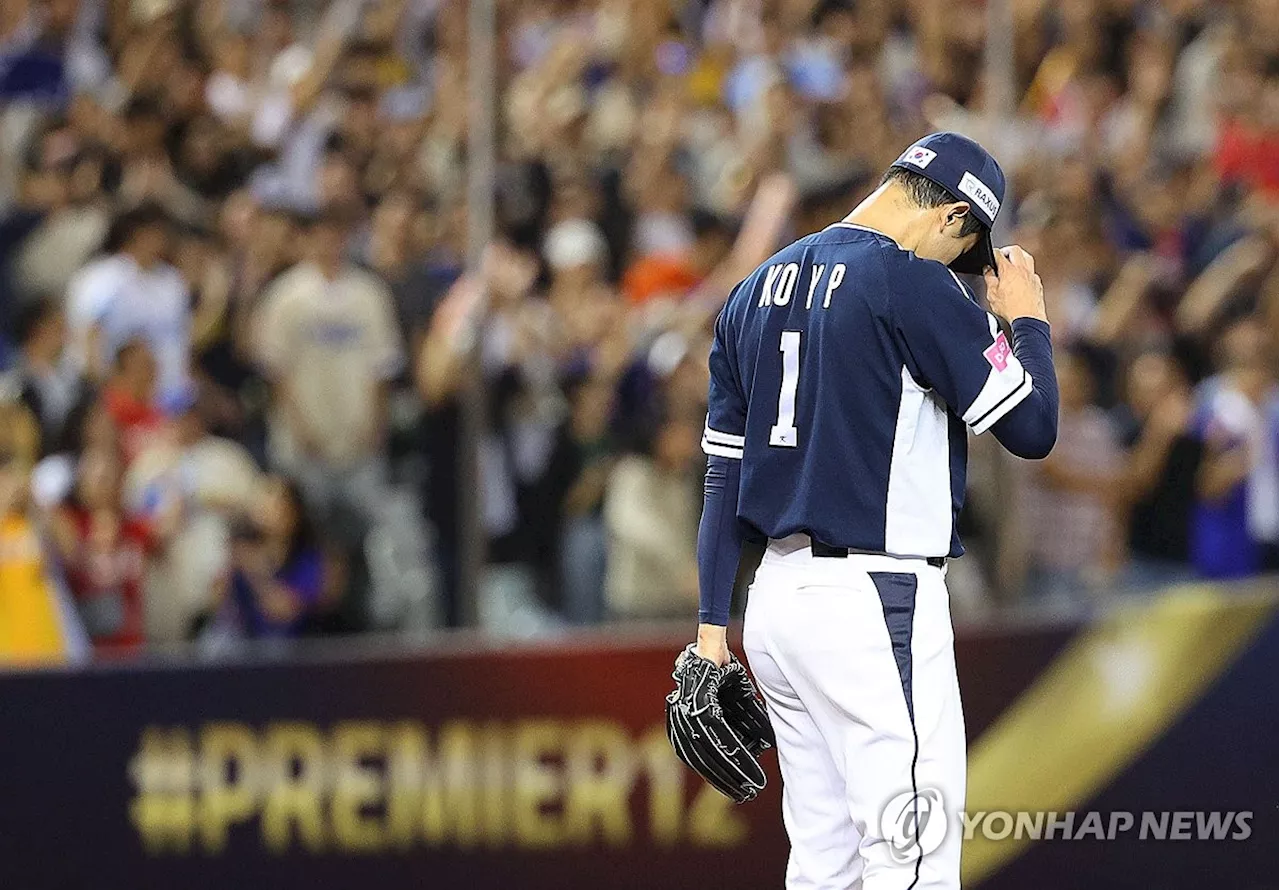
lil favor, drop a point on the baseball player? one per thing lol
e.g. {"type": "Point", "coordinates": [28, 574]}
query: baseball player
{"type": "Point", "coordinates": [847, 373]}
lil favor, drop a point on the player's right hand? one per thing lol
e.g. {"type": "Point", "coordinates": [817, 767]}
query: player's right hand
{"type": "Point", "coordinates": [717, 726]}
{"type": "Point", "coordinates": [713, 644]}
{"type": "Point", "coordinates": [1014, 289]}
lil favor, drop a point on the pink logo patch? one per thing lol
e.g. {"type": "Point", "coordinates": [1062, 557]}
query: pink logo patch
{"type": "Point", "coordinates": [998, 352]}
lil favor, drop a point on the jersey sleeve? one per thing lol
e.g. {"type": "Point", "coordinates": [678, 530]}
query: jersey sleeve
{"type": "Point", "coordinates": [726, 425]}
{"type": "Point", "coordinates": [956, 347]}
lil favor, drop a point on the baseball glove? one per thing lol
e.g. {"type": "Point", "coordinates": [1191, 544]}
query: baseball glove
{"type": "Point", "coordinates": [717, 726]}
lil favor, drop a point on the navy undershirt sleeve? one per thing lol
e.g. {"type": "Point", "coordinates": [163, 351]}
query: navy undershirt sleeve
{"type": "Point", "coordinates": [719, 540]}
{"type": "Point", "coordinates": [1031, 428]}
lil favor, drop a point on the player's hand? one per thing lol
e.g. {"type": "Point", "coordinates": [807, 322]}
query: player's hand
{"type": "Point", "coordinates": [1013, 288]}
{"type": "Point", "coordinates": [717, 725]}
{"type": "Point", "coordinates": [713, 644]}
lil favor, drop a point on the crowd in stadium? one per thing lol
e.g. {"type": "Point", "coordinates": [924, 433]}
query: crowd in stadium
{"type": "Point", "coordinates": [237, 329]}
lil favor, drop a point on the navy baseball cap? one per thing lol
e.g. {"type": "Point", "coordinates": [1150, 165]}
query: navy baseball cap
{"type": "Point", "coordinates": [966, 170]}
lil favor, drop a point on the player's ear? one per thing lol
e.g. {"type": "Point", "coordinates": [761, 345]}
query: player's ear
{"type": "Point", "coordinates": [956, 213]}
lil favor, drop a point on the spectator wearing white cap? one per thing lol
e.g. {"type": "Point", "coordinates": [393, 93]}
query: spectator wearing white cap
{"type": "Point", "coordinates": [575, 244]}
{"type": "Point", "coordinates": [583, 304]}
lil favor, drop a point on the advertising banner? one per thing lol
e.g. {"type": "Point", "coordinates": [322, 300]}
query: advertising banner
{"type": "Point", "coordinates": [546, 765]}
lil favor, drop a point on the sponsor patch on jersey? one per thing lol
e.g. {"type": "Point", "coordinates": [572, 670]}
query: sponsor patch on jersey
{"type": "Point", "coordinates": [998, 352]}
{"type": "Point", "coordinates": [920, 156]}
{"type": "Point", "coordinates": [977, 189]}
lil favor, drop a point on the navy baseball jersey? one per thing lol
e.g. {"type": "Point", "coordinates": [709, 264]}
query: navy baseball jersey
{"type": "Point", "coordinates": [844, 373]}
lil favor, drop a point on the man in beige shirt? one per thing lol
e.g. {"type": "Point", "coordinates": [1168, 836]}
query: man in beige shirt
{"type": "Point", "coordinates": [327, 336]}
{"type": "Point", "coordinates": [651, 516]}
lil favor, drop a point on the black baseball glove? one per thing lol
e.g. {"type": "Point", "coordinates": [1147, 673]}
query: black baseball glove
{"type": "Point", "coordinates": [717, 726]}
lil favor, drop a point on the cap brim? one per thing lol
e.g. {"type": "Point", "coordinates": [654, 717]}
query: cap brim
{"type": "Point", "coordinates": [977, 258]}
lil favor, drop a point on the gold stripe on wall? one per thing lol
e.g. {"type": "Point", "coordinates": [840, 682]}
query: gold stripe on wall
{"type": "Point", "coordinates": [1108, 696]}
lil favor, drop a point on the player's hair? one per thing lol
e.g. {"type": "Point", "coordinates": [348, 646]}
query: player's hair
{"type": "Point", "coordinates": [925, 192]}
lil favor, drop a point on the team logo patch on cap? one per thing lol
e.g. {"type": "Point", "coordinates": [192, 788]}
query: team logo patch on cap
{"type": "Point", "coordinates": [977, 189]}
{"type": "Point", "coordinates": [920, 156]}
{"type": "Point", "coordinates": [998, 352]}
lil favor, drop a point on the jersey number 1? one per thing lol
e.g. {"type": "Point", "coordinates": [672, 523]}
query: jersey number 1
{"type": "Point", "coordinates": [784, 431]}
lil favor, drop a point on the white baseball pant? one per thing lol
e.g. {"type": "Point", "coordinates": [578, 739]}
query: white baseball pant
{"type": "Point", "coordinates": [855, 659]}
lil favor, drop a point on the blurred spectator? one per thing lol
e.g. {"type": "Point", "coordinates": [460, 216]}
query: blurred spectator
{"type": "Point", "coordinates": [104, 554]}
{"type": "Point", "coordinates": [1248, 149]}
{"type": "Point", "coordinates": [66, 218]}
{"type": "Point", "coordinates": [280, 581]}
{"type": "Point", "coordinates": [585, 306]}
{"type": "Point", "coordinates": [396, 252]}
{"type": "Point", "coordinates": [133, 293]}
{"type": "Point", "coordinates": [1075, 541]}
{"type": "Point", "coordinates": [651, 514]}
{"type": "Point", "coordinates": [206, 480]}
{"type": "Point", "coordinates": [256, 245]}
{"type": "Point", "coordinates": [129, 397]}
{"type": "Point", "coordinates": [326, 334]}
{"type": "Point", "coordinates": [1159, 478]}
{"type": "Point", "coordinates": [47, 384]}
{"type": "Point", "coordinates": [229, 88]}
{"type": "Point", "coordinates": [1234, 521]}
{"type": "Point", "coordinates": [90, 427]}
{"type": "Point", "coordinates": [586, 458]}
{"type": "Point", "coordinates": [35, 624]}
